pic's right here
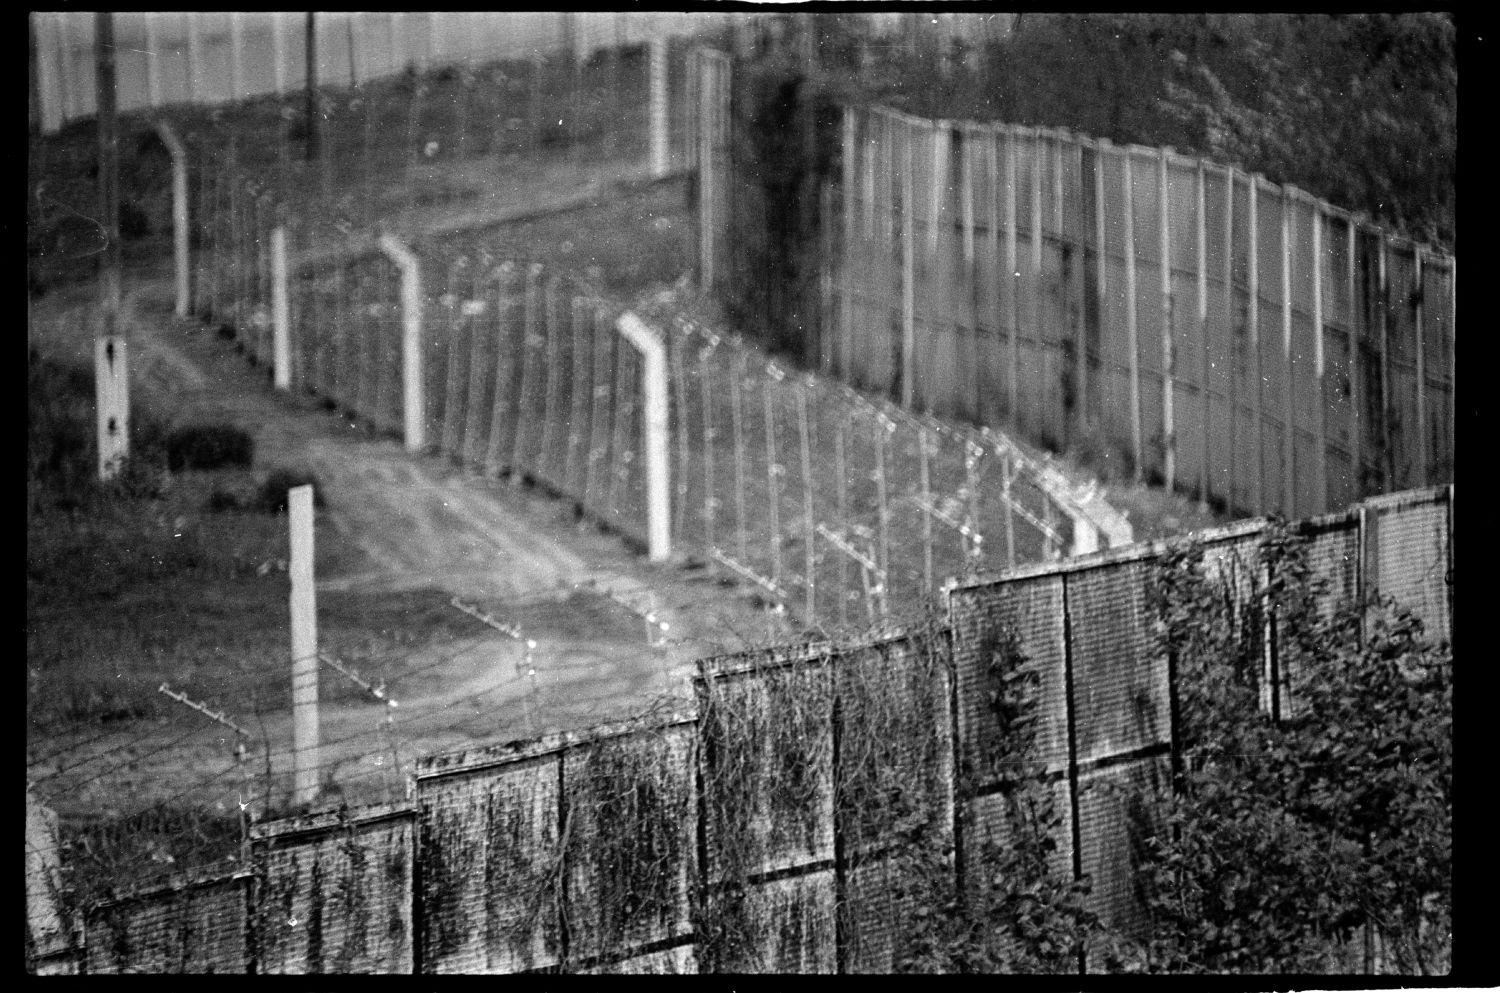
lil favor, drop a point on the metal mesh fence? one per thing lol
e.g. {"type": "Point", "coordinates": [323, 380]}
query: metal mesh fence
{"type": "Point", "coordinates": [336, 895]}
{"type": "Point", "coordinates": [939, 265]}
{"type": "Point", "coordinates": [198, 926]}
{"type": "Point", "coordinates": [819, 798]}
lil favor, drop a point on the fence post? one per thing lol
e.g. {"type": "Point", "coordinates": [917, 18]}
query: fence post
{"type": "Point", "coordinates": [657, 429]}
{"type": "Point", "coordinates": [1200, 237]}
{"type": "Point", "coordinates": [304, 647]}
{"type": "Point", "coordinates": [281, 318]}
{"type": "Point", "coordinates": [414, 423]}
{"type": "Point", "coordinates": [1320, 412]}
{"type": "Point", "coordinates": [1131, 328]}
{"type": "Point", "coordinates": [908, 277]}
{"type": "Point", "coordinates": [1422, 458]}
{"type": "Point", "coordinates": [1388, 452]}
{"type": "Point", "coordinates": [1289, 410]}
{"type": "Point", "coordinates": [1014, 273]}
{"type": "Point", "coordinates": [179, 210]}
{"type": "Point", "coordinates": [659, 161]}
{"type": "Point", "coordinates": [112, 403]}
{"type": "Point", "coordinates": [1168, 348]}
{"type": "Point", "coordinates": [1252, 318]}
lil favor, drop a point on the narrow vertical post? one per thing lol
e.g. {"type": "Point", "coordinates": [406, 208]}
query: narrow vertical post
{"type": "Point", "coordinates": [1320, 412]}
{"type": "Point", "coordinates": [1357, 399]}
{"type": "Point", "coordinates": [1038, 294]}
{"type": "Point", "coordinates": [111, 377]}
{"type": "Point", "coordinates": [1231, 396]}
{"type": "Point", "coordinates": [710, 497]}
{"type": "Point", "coordinates": [881, 432]}
{"type": "Point", "coordinates": [908, 268]}
{"type": "Point", "coordinates": [773, 464]}
{"type": "Point", "coordinates": [1168, 347]}
{"type": "Point", "coordinates": [109, 168]}
{"type": "Point", "coordinates": [304, 647]}
{"type": "Point", "coordinates": [1200, 234]}
{"type": "Point", "coordinates": [658, 71]}
{"type": "Point", "coordinates": [926, 484]}
{"type": "Point", "coordinates": [111, 403]}
{"type": "Point", "coordinates": [1289, 411]}
{"type": "Point", "coordinates": [413, 410]}
{"type": "Point", "coordinates": [310, 92]}
{"type": "Point", "coordinates": [1008, 475]}
{"type": "Point", "coordinates": [1013, 275]}
{"type": "Point", "coordinates": [281, 318]}
{"type": "Point", "coordinates": [971, 271]}
{"type": "Point", "coordinates": [153, 61]}
{"type": "Point", "coordinates": [1383, 308]}
{"type": "Point", "coordinates": [808, 524]}
{"type": "Point", "coordinates": [841, 482]}
{"type": "Point", "coordinates": [179, 209]}
{"type": "Point", "coordinates": [986, 410]}
{"type": "Point", "coordinates": [1252, 318]}
{"type": "Point", "coordinates": [736, 384]}
{"type": "Point", "coordinates": [1452, 370]}
{"type": "Point", "coordinates": [1131, 328]}
{"type": "Point", "coordinates": [1101, 258]}
{"type": "Point", "coordinates": [844, 259]}
{"type": "Point", "coordinates": [657, 431]}
{"type": "Point", "coordinates": [1423, 461]}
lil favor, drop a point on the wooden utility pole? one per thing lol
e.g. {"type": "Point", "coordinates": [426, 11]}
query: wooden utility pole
{"type": "Point", "coordinates": [305, 737]}
{"type": "Point", "coordinates": [311, 49]}
{"type": "Point", "coordinates": [111, 380]}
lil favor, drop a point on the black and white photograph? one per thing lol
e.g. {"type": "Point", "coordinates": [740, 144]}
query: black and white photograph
{"type": "Point", "coordinates": [760, 489]}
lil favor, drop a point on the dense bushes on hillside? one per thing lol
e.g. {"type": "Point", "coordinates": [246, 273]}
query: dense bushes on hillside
{"type": "Point", "coordinates": [1359, 109]}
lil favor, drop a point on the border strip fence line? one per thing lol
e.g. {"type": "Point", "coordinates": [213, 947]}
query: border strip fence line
{"type": "Point", "coordinates": [1325, 343]}
{"type": "Point", "coordinates": [512, 857]}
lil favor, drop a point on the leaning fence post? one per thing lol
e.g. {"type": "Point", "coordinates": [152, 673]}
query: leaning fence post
{"type": "Point", "coordinates": [179, 209]}
{"type": "Point", "coordinates": [281, 318]}
{"type": "Point", "coordinates": [304, 647]}
{"type": "Point", "coordinates": [414, 423]}
{"type": "Point", "coordinates": [657, 427]}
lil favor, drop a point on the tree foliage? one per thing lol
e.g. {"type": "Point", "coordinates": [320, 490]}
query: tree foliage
{"type": "Point", "coordinates": [1288, 835]}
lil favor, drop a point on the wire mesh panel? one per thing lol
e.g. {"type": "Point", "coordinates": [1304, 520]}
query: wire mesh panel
{"type": "Point", "coordinates": [767, 756]}
{"type": "Point", "coordinates": [1120, 693]}
{"type": "Point", "coordinates": [1409, 556]}
{"type": "Point", "coordinates": [894, 790]}
{"type": "Point", "coordinates": [336, 896]}
{"type": "Point", "coordinates": [196, 927]}
{"type": "Point", "coordinates": [489, 841]}
{"type": "Point", "coordinates": [1115, 819]}
{"type": "Point", "coordinates": [631, 841]}
{"type": "Point", "coordinates": [998, 628]}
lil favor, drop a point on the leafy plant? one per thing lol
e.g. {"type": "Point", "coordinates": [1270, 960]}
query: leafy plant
{"type": "Point", "coordinates": [1025, 913]}
{"type": "Point", "coordinates": [1294, 827]}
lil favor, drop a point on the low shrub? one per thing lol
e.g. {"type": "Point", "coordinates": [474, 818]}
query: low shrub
{"type": "Point", "coordinates": [208, 446]}
{"type": "Point", "coordinates": [271, 495]}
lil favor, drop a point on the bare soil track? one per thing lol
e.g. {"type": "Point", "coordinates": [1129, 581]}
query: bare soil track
{"type": "Point", "coordinates": [420, 524]}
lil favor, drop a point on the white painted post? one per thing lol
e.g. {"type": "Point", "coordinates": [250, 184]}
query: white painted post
{"type": "Point", "coordinates": [112, 403]}
{"type": "Point", "coordinates": [179, 211]}
{"type": "Point", "coordinates": [657, 442]}
{"type": "Point", "coordinates": [281, 318]}
{"type": "Point", "coordinates": [1168, 347]}
{"type": "Point", "coordinates": [659, 107]}
{"type": "Point", "coordinates": [304, 611]}
{"type": "Point", "coordinates": [412, 405]}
